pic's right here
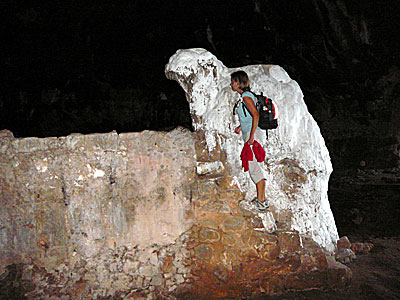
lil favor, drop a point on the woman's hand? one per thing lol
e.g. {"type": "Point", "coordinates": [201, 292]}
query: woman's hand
{"type": "Point", "coordinates": [238, 129]}
{"type": "Point", "coordinates": [251, 140]}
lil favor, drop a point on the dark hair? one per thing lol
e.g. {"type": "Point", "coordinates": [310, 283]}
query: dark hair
{"type": "Point", "coordinates": [242, 78]}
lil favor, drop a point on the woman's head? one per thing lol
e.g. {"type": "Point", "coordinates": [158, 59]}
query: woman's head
{"type": "Point", "coordinates": [240, 80]}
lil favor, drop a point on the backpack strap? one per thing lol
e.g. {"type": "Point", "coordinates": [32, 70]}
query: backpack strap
{"type": "Point", "coordinates": [235, 107]}
{"type": "Point", "coordinates": [245, 107]}
{"type": "Point", "coordinates": [244, 104]}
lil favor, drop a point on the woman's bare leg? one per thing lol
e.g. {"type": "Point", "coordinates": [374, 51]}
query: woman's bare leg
{"type": "Point", "coordinates": [261, 190]}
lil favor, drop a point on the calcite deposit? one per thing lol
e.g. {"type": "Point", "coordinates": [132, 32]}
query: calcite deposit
{"type": "Point", "coordinates": [164, 215]}
{"type": "Point", "coordinates": [298, 163]}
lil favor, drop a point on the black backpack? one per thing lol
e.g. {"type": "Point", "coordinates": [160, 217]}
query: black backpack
{"type": "Point", "coordinates": [266, 109]}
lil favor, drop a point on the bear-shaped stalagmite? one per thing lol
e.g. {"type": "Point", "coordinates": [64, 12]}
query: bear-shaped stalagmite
{"type": "Point", "coordinates": [236, 252]}
{"type": "Point", "coordinates": [298, 164]}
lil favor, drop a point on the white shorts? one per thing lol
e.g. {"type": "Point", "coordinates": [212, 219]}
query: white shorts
{"type": "Point", "coordinates": [255, 168]}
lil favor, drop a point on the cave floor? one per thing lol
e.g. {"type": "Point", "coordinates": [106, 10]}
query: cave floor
{"type": "Point", "coordinates": [366, 207]}
{"type": "Point", "coordinates": [376, 276]}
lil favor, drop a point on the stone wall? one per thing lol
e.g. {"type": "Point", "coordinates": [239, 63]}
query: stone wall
{"type": "Point", "coordinates": [128, 216]}
{"type": "Point", "coordinates": [82, 193]}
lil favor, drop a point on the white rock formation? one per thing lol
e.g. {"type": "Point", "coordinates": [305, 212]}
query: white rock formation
{"type": "Point", "coordinates": [298, 164]}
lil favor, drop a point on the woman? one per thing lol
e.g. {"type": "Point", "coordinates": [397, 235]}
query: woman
{"type": "Point", "coordinates": [248, 117]}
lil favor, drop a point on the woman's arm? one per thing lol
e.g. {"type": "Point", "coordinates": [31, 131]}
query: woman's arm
{"type": "Point", "coordinates": [256, 116]}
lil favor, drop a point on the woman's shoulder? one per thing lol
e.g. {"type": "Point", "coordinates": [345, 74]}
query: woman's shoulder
{"type": "Point", "coordinates": [248, 94]}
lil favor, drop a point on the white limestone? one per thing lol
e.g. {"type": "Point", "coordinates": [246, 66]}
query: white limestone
{"type": "Point", "coordinates": [205, 81]}
{"type": "Point", "coordinates": [268, 221]}
{"type": "Point", "coordinates": [209, 167]}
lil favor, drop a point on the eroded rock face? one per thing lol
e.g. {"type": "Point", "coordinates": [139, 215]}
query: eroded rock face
{"type": "Point", "coordinates": [82, 193]}
{"type": "Point", "coordinates": [298, 164]}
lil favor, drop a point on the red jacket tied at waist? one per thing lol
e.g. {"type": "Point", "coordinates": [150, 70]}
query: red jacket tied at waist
{"type": "Point", "coordinates": [247, 154]}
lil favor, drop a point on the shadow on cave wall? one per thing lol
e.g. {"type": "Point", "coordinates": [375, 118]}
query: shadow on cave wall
{"type": "Point", "coordinates": [95, 106]}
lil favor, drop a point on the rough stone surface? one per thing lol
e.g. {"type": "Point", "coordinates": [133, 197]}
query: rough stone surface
{"type": "Point", "coordinates": [363, 248]}
{"type": "Point", "coordinates": [345, 255]}
{"type": "Point", "coordinates": [157, 215]}
{"type": "Point", "coordinates": [343, 243]}
{"type": "Point", "coordinates": [83, 193]}
{"type": "Point", "coordinates": [127, 216]}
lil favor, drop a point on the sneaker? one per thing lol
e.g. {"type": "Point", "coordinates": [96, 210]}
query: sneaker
{"type": "Point", "coordinates": [260, 206]}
